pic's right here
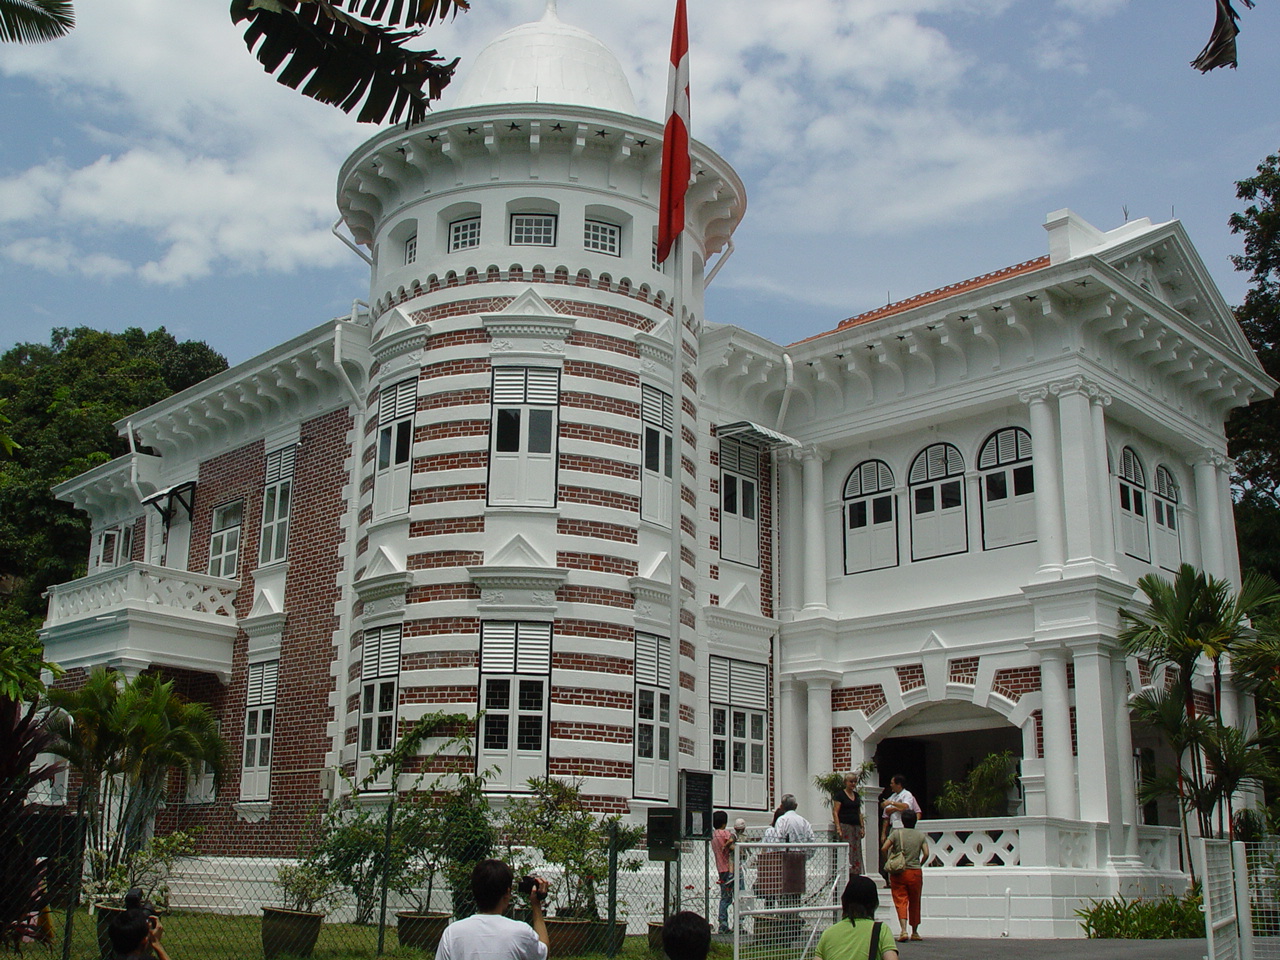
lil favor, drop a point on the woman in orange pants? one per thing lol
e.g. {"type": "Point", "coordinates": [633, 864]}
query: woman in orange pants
{"type": "Point", "coordinates": [906, 884]}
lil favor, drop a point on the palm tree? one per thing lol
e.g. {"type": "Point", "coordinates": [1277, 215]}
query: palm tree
{"type": "Point", "coordinates": [34, 21]}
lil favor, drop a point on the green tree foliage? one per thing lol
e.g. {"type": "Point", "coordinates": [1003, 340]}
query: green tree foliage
{"type": "Point", "coordinates": [1254, 431]}
{"type": "Point", "coordinates": [62, 399]}
{"type": "Point", "coordinates": [984, 792]}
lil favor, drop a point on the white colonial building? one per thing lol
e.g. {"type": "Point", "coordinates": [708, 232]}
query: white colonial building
{"type": "Point", "coordinates": [905, 539]}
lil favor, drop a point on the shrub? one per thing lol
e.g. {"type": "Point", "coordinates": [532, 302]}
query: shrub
{"type": "Point", "coordinates": [1163, 918]}
{"type": "Point", "coordinates": [984, 792]}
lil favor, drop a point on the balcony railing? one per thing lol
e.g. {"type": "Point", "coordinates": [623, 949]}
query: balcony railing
{"type": "Point", "coordinates": [134, 584]}
{"type": "Point", "coordinates": [1039, 842]}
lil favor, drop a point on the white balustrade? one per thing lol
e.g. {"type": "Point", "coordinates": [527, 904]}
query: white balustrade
{"type": "Point", "coordinates": [1039, 842]}
{"type": "Point", "coordinates": [134, 584]}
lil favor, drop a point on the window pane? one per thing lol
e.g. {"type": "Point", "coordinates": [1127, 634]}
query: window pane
{"type": "Point", "coordinates": [1024, 481]}
{"type": "Point", "coordinates": [249, 752]}
{"type": "Point", "coordinates": [730, 501]}
{"type": "Point", "coordinates": [997, 488]}
{"type": "Point", "coordinates": [664, 744]}
{"type": "Point", "coordinates": [282, 503]}
{"type": "Point", "coordinates": [1138, 506]}
{"type": "Point", "coordinates": [386, 697]}
{"type": "Point", "coordinates": [384, 448]}
{"type": "Point", "coordinates": [664, 708]}
{"type": "Point", "coordinates": [539, 431]}
{"type": "Point", "coordinates": [951, 495]}
{"type": "Point", "coordinates": [739, 724]}
{"type": "Point", "coordinates": [668, 446]}
{"type": "Point", "coordinates": [529, 733]}
{"type": "Point", "coordinates": [507, 430]}
{"type": "Point", "coordinates": [497, 695]}
{"type": "Point", "coordinates": [404, 436]}
{"type": "Point", "coordinates": [251, 724]}
{"type": "Point", "coordinates": [264, 752]}
{"type": "Point", "coordinates": [858, 515]}
{"type": "Point", "coordinates": [757, 758]}
{"type": "Point", "coordinates": [644, 705]}
{"type": "Point", "coordinates": [882, 509]}
{"type": "Point", "coordinates": [366, 734]}
{"type": "Point", "coordinates": [266, 721]}
{"type": "Point", "coordinates": [757, 726]}
{"type": "Point", "coordinates": [368, 699]}
{"type": "Point", "coordinates": [924, 500]}
{"type": "Point", "coordinates": [718, 722]}
{"type": "Point", "coordinates": [717, 755]}
{"type": "Point", "coordinates": [531, 695]}
{"type": "Point", "coordinates": [495, 733]}
{"type": "Point", "coordinates": [644, 741]}
{"type": "Point", "coordinates": [739, 758]}
{"type": "Point", "coordinates": [748, 500]}
{"type": "Point", "coordinates": [652, 450]}
{"type": "Point", "coordinates": [385, 737]}
{"type": "Point", "coordinates": [1170, 520]}
{"type": "Point", "coordinates": [1158, 510]}
{"type": "Point", "coordinates": [1124, 497]}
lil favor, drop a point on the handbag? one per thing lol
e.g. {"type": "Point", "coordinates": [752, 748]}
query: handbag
{"type": "Point", "coordinates": [896, 862]}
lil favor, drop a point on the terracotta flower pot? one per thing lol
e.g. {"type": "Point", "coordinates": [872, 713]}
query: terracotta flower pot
{"type": "Point", "coordinates": [569, 938]}
{"type": "Point", "coordinates": [103, 914]}
{"type": "Point", "coordinates": [289, 931]}
{"type": "Point", "coordinates": [421, 931]}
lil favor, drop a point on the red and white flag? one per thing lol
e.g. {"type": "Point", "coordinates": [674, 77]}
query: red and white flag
{"type": "Point", "coordinates": [675, 139]}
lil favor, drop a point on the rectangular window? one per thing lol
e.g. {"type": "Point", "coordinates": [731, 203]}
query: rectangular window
{"type": "Point", "coordinates": [259, 730]}
{"type": "Point", "coordinates": [1008, 507]}
{"type": "Point", "coordinates": [659, 454]}
{"type": "Point", "coordinates": [739, 502]}
{"type": "Point", "coordinates": [739, 693]}
{"type": "Point", "coordinates": [275, 505]}
{"type": "Point", "coordinates": [464, 234]}
{"type": "Point", "coordinates": [411, 250]}
{"type": "Point", "coordinates": [653, 716]}
{"type": "Point", "coordinates": [871, 535]}
{"type": "Point", "coordinates": [515, 676]}
{"type": "Point", "coordinates": [393, 462]}
{"type": "Point", "coordinates": [533, 230]}
{"type": "Point", "coordinates": [115, 546]}
{"type": "Point", "coordinates": [522, 461]}
{"type": "Point", "coordinates": [1134, 536]}
{"type": "Point", "coordinates": [224, 540]}
{"type": "Point", "coordinates": [603, 238]}
{"type": "Point", "coordinates": [1164, 535]}
{"type": "Point", "coordinates": [379, 697]}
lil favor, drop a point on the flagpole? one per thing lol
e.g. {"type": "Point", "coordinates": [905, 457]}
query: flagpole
{"type": "Point", "coordinates": [677, 533]}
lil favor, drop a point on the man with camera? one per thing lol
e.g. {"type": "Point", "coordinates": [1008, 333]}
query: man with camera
{"type": "Point", "coordinates": [135, 932]}
{"type": "Point", "coordinates": [489, 934]}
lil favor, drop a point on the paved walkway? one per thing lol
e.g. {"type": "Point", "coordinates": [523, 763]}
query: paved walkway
{"type": "Point", "coordinates": [951, 948]}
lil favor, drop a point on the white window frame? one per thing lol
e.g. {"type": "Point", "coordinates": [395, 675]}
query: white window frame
{"type": "Point", "coordinates": [524, 436]}
{"type": "Point", "coordinates": [739, 703]}
{"type": "Point", "coordinates": [601, 236]}
{"type": "Point", "coordinates": [533, 229]}
{"type": "Point", "coordinates": [740, 502]}
{"type": "Point", "coordinates": [1131, 506]}
{"type": "Point", "coordinates": [936, 499]}
{"type": "Point", "coordinates": [464, 234]}
{"type": "Point", "coordinates": [224, 540]}
{"type": "Point", "coordinates": [277, 495]}
{"type": "Point", "coordinates": [411, 250]}
{"type": "Point", "coordinates": [393, 455]}
{"type": "Point", "coordinates": [114, 546]}
{"type": "Point", "coordinates": [657, 455]}
{"type": "Point", "coordinates": [515, 656]}
{"type": "Point", "coordinates": [1007, 482]}
{"type": "Point", "coordinates": [260, 722]}
{"type": "Point", "coordinates": [1165, 520]}
{"type": "Point", "coordinates": [654, 717]}
{"type": "Point", "coordinates": [870, 518]}
{"type": "Point", "coordinates": [376, 732]}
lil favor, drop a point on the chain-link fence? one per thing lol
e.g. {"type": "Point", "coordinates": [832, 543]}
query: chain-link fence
{"type": "Point", "coordinates": [785, 895]}
{"type": "Point", "coordinates": [378, 890]}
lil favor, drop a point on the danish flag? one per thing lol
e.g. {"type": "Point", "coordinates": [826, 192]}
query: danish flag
{"type": "Point", "coordinates": [675, 139]}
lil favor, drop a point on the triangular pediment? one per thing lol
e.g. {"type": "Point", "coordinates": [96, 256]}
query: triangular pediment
{"type": "Point", "coordinates": [741, 599]}
{"type": "Point", "coordinates": [265, 604]}
{"type": "Point", "coordinates": [382, 563]}
{"type": "Point", "coordinates": [529, 304]}
{"type": "Point", "coordinates": [932, 642]}
{"type": "Point", "coordinates": [395, 321]}
{"type": "Point", "coordinates": [660, 570]}
{"type": "Point", "coordinates": [517, 552]}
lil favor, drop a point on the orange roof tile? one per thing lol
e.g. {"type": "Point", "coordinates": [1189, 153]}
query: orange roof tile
{"type": "Point", "coordinates": [942, 293]}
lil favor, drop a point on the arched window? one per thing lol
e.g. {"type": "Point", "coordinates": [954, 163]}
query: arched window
{"type": "Point", "coordinates": [1008, 489]}
{"type": "Point", "coordinates": [938, 525]}
{"type": "Point", "coordinates": [870, 518]}
{"type": "Point", "coordinates": [1131, 484]}
{"type": "Point", "coordinates": [1164, 511]}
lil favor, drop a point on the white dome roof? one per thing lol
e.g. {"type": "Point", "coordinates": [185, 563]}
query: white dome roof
{"type": "Point", "coordinates": [547, 61]}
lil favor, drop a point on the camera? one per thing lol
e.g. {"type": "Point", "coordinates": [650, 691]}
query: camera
{"type": "Point", "coordinates": [133, 901]}
{"type": "Point", "coordinates": [528, 885]}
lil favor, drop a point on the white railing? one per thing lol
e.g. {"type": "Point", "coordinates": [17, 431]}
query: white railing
{"type": "Point", "coordinates": [1158, 848]}
{"type": "Point", "coordinates": [1040, 842]}
{"type": "Point", "coordinates": [134, 584]}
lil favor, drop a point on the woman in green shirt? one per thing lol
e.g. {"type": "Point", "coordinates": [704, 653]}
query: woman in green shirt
{"type": "Point", "coordinates": [850, 939]}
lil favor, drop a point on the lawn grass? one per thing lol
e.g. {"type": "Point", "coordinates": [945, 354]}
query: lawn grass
{"type": "Point", "coordinates": [212, 936]}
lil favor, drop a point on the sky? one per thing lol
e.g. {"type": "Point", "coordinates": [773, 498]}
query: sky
{"type": "Point", "coordinates": [151, 174]}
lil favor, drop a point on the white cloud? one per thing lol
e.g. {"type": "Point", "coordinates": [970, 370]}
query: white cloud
{"type": "Point", "coordinates": [58, 256]}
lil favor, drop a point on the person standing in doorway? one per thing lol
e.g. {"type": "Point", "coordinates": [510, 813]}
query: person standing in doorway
{"type": "Point", "coordinates": [899, 799]}
{"type": "Point", "coordinates": [722, 844]}
{"type": "Point", "coordinates": [846, 809]}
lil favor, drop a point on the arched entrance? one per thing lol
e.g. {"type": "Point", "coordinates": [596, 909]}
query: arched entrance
{"type": "Point", "coordinates": [936, 742]}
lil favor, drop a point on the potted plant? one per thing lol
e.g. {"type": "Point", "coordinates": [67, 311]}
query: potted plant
{"type": "Point", "coordinates": [554, 820]}
{"type": "Point", "coordinates": [308, 889]}
{"type": "Point", "coordinates": [148, 869]}
{"type": "Point", "coordinates": [985, 789]}
{"type": "Point", "coordinates": [421, 825]}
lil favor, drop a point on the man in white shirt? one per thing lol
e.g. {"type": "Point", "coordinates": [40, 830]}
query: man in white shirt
{"type": "Point", "coordinates": [791, 827]}
{"type": "Point", "coordinates": [901, 799]}
{"type": "Point", "coordinates": [488, 934]}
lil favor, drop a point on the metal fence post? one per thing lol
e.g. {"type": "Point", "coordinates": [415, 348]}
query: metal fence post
{"type": "Point", "coordinates": [1244, 913]}
{"type": "Point", "coordinates": [611, 941]}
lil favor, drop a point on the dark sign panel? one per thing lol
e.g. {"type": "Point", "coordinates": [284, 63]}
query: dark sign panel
{"type": "Point", "coordinates": [695, 801]}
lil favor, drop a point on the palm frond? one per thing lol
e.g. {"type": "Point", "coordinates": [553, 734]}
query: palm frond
{"type": "Point", "coordinates": [35, 21]}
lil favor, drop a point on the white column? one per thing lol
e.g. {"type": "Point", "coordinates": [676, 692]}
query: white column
{"type": "Point", "coordinates": [1207, 510]}
{"type": "Point", "coordinates": [793, 737]}
{"type": "Point", "coordinates": [1105, 549]}
{"type": "Point", "coordinates": [1227, 522]}
{"type": "Point", "coordinates": [790, 563]}
{"type": "Point", "coordinates": [973, 516]}
{"type": "Point", "coordinates": [815, 544]}
{"type": "Point", "coordinates": [1046, 465]}
{"type": "Point", "coordinates": [819, 752]}
{"type": "Point", "coordinates": [1059, 765]}
{"type": "Point", "coordinates": [1124, 756]}
{"type": "Point", "coordinates": [1099, 779]}
{"type": "Point", "coordinates": [1081, 498]}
